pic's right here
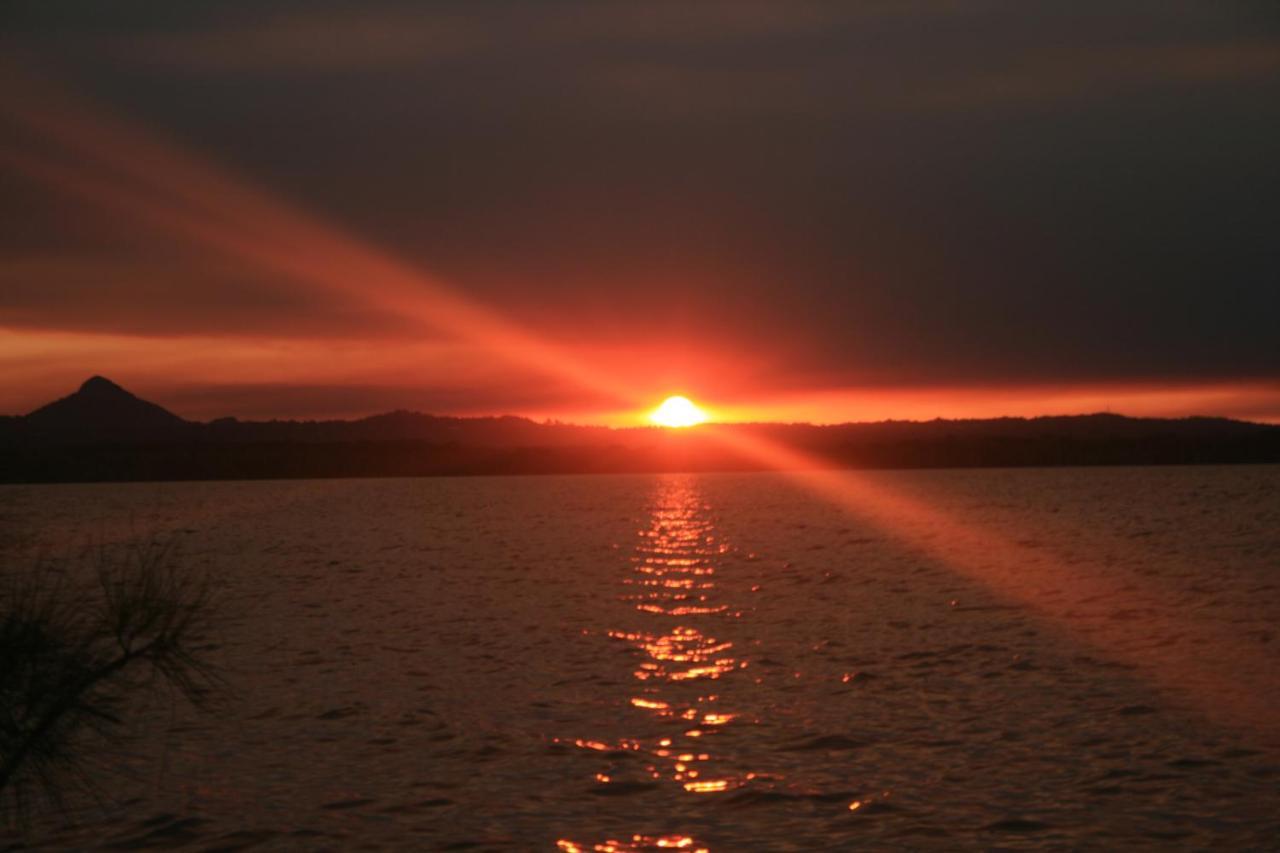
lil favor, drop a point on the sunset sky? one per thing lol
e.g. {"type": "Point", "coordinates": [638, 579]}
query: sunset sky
{"type": "Point", "coordinates": [785, 211]}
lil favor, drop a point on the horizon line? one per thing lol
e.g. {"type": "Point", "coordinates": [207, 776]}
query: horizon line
{"type": "Point", "coordinates": [715, 416]}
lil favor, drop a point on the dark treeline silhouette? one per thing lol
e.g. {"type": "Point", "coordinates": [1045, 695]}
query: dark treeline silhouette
{"type": "Point", "coordinates": [104, 433]}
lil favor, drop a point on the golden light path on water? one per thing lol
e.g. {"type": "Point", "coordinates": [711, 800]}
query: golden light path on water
{"type": "Point", "coordinates": [681, 662]}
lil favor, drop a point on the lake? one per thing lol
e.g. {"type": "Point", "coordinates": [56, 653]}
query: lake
{"type": "Point", "coordinates": [1048, 658]}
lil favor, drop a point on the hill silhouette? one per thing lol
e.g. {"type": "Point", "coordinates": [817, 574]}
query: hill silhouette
{"type": "Point", "coordinates": [101, 406]}
{"type": "Point", "coordinates": [103, 432]}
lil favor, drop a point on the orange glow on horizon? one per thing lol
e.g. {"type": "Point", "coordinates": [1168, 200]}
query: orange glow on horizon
{"type": "Point", "coordinates": [1257, 400]}
{"type": "Point", "coordinates": [1250, 400]}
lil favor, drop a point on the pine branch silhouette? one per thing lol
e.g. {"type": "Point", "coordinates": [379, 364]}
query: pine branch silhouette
{"type": "Point", "coordinates": [74, 654]}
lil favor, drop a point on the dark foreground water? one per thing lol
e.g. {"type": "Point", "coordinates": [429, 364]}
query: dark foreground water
{"type": "Point", "coordinates": [723, 662]}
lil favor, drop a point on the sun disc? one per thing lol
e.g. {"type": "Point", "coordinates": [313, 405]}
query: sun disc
{"type": "Point", "coordinates": [677, 412]}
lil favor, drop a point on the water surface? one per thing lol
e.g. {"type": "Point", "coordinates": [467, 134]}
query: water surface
{"type": "Point", "coordinates": [720, 662]}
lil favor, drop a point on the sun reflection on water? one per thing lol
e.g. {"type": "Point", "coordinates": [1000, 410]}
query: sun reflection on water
{"type": "Point", "coordinates": [673, 587]}
{"type": "Point", "coordinates": [635, 844]}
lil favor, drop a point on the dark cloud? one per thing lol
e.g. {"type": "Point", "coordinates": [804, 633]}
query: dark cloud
{"type": "Point", "coordinates": [914, 192]}
{"type": "Point", "coordinates": [174, 296]}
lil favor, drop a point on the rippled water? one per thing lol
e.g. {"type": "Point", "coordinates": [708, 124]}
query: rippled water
{"type": "Point", "coordinates": [707, 662]}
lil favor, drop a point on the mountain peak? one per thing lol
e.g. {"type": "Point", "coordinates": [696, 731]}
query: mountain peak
{"type": "Point", "coordinates": [101, 385]}
{"type": "Point", "coordinates": [102, 407]}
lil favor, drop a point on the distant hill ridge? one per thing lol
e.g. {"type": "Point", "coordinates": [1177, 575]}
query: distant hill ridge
{"type": "Point", "coordinates": [103, 432]}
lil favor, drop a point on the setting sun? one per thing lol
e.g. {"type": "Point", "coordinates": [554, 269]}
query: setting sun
{"type": "Point", "coordinates": [677, 412]}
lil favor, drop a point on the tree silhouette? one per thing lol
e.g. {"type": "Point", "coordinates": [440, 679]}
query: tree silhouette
{"type": "Point", "coordinates": [75, 652]}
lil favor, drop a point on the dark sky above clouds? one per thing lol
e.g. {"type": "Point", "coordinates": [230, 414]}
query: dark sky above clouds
{"type": "Point", "coordinates": [787, 196]}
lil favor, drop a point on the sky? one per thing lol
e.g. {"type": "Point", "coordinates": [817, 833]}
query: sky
{"type": "Point", "coordinates": [785, 211]}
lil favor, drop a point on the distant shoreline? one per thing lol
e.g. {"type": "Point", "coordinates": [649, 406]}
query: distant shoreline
{"type": "Point", "coordinates": [103, 433]}
{"type": "Point", "coordinates": [384, 460]}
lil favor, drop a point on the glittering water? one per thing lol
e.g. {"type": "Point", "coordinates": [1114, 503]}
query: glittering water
{"type": "Point", "coordinates": [720, 662]}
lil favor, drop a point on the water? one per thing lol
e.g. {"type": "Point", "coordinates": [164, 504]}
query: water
{"type": "Point", "coordinates": [720, 662]}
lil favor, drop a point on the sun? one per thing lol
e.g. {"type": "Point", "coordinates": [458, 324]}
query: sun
{"type": "Point", "coordinates": [677, 412]}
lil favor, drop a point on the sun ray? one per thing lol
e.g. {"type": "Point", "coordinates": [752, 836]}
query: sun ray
{"type": "Point", "coordinates": [121, 167]}
{"type": "Point", "coordinates": [1242, 694]}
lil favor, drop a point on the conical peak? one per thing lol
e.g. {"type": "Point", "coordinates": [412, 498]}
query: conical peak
{"type": "Point", "coordinates": [100, 386]}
